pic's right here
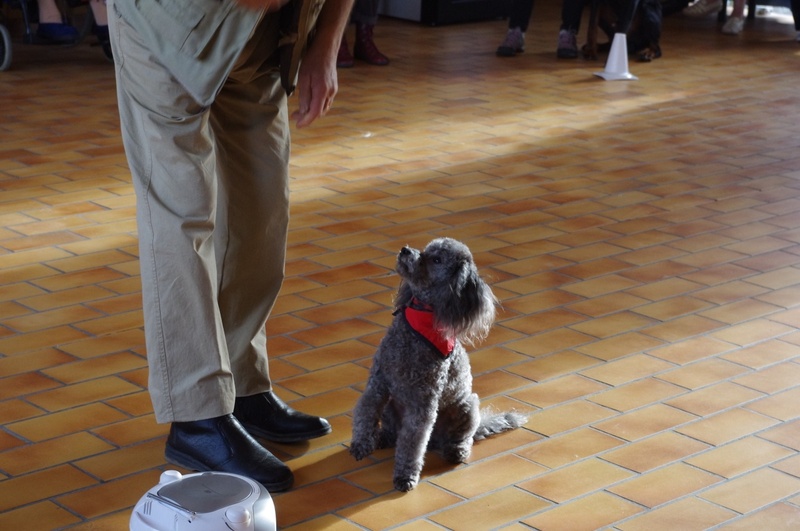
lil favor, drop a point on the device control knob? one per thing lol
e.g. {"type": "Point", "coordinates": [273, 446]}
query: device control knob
{"type": "Point", "coordinates": [168, 476]}
{"type": "Point", "coordinates": [239, 517]}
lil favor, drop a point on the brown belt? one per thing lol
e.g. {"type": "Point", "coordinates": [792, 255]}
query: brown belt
{"type": "Point", "coordinates": [298, 19]}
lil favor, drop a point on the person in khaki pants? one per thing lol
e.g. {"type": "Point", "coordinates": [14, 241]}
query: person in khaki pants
{"type": "Point", "coordinates": [205, 125]}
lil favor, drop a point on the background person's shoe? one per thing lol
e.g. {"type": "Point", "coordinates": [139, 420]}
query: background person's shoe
{"type": "Point", "coordinates": [567, 45]}
{"type": "Point", "coordinates": [365, 48]}
{"type": "Point", "coordinates": [101, 32]}
{"type": "Point", "coordinates": [221, 444]}
{"type": "Point", "coordinates": [702, 8]}
{"type": "Point", "coordinates": [104, 40]}
{"type": "Point", "coordinates": [344, 59]}
{"type": "Point", "coordinates": [513, 44]}
{"type": "Point", "coordinates": [733, 26]}
{"type": "Point", "coordinates": [57, 33]}
{"type": "Point", "coordinates": [267, 416]}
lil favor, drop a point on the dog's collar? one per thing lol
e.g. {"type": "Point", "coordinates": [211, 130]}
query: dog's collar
{"type": "Point", "coordinates": [420, 317]}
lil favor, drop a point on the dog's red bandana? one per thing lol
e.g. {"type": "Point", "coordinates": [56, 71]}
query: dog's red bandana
{"type": "Point", "coordinates": [420, 317]}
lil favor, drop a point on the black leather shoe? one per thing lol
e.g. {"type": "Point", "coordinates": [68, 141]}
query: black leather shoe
{"type": "Point", "coordinates": [267, 416]}
{"type": "Point", "coordinates": [221, 444]}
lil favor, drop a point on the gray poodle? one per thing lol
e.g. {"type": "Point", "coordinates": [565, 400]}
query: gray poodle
{"type": "Point", "coordinates": [419, 393]}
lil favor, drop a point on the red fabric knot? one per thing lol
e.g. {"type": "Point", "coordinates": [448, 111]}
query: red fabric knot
{"type": "Point", "coordinates": [420, 317]}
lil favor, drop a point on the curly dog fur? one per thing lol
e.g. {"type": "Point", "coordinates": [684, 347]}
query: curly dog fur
{"type": "Point", "coordinates": [419, 396]}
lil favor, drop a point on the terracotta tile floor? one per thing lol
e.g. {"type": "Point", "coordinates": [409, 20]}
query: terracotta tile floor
{"type": "Point", "coordinates": [643, 236]}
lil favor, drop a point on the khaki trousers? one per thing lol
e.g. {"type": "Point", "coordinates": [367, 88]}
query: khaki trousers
{"type": "Point", "coordinates": [212, 213]}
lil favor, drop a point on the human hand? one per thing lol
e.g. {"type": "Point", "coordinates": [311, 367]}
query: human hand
{"type": "Point", "coordinates": [317, 84]}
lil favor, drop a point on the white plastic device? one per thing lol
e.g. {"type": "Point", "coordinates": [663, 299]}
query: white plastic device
{"type": "Point", "coordinates": [205, 501]}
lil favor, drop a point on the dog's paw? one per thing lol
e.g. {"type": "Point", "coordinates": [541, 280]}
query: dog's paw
{"type": "Point", "coordinates": [360, 450]}
{"type": "Point", "coordinates": [457, 454]}
{"type": "Point", "coordinates": [589, 52]}
{"type": "Point", "coordinates": [405, 484]}
{"type": "Point", "coordinates": [648, 54]}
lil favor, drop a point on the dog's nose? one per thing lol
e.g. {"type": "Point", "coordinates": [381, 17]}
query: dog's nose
{"type": "Point", "coordinates": [405, 250]}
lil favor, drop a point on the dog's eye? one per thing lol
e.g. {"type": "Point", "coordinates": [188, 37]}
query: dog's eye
{"type": "Point", "coordinates": [436, 260]}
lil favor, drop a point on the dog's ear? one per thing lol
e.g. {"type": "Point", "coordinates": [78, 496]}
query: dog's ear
{"type": "Point", "coordinates": [472, 291]}
{"type": "Point", "coordinates": [469, 311]}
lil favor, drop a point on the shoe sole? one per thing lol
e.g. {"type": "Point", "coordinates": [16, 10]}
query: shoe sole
{"type": "Point", "coordinates": [730, 31]}
{"type": "Point", "coordinates": [255, 431]}
{"type": "Point", "coordinates": [507, 52]}
{"type": "Point", "coordinates": [181, 459]}
{"type": "Point", "coordinates": [371, 62]}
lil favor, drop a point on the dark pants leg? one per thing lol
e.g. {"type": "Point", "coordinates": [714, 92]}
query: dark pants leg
{"type": "Point", "coordinates": [520, 15]}
{"type": "Point", "coordinates": [571, 12]}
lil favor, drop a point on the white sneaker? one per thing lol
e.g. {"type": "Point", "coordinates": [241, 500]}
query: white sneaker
{"type": "Point", "coordinates": [733, 26]}
{"type": "Point", "coordinates": [702, 8]}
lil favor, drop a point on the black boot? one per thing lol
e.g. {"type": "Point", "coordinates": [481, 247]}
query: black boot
{"type": "Point", "coordinates": [221, 444]}
{"type": "Point", "coordinates": [267, 416]}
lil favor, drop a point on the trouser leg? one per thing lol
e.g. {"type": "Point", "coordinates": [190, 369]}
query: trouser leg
{"type": "Point", "coordinates": [571, 12]}
{"type": "Point", "coordinates": [253, 214]}
{"type": "Point", "coordinates": [174, 166]}
{"type": "Point", "coordinates": [520, 15]}
{"type": "Point", "coordinates": [365, 12]}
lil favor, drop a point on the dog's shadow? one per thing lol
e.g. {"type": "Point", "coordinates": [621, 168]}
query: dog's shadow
{"type": "Point", "coordinates": [373, 474]}
{"type": "Point", "coordinates": [330, 480]}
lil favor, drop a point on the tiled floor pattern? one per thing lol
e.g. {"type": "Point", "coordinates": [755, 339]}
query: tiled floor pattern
{"type": "Point", "coordinates": [643, 237]}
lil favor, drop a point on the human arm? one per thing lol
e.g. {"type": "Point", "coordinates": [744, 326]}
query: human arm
{"type": "Point", "coordinates": [317, 81]}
